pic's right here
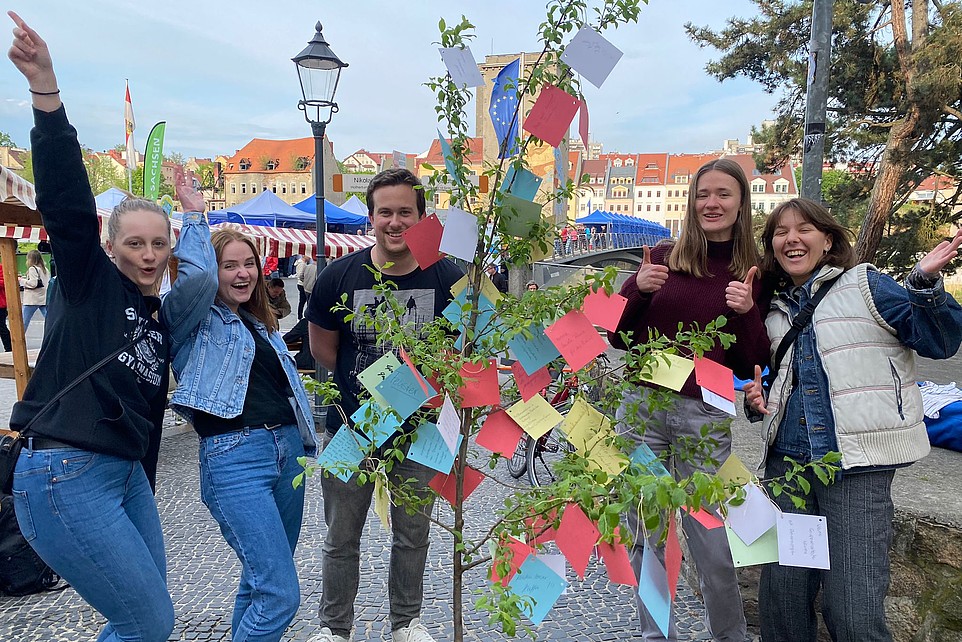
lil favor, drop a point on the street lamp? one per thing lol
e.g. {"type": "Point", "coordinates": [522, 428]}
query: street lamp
{"type": "Point", "coordinates": [318, 69]}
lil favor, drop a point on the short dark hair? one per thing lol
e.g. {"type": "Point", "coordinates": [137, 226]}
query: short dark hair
{"type": "Point", "coordinates": [841, 254]}
{"type": "Point", "coordinates": [396, 176]}
{"type": "Point", "coordinates": [276, 282]}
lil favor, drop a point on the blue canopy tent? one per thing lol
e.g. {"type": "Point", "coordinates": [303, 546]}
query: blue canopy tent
{"type": "Point", "coordinates": [111, 198]}
{"type": "Point", "coordinates": [264, 209]}
{"type": "Point", "coordinates": [337, 219]}
{"type": "Point", "coordinates": [620, 224]}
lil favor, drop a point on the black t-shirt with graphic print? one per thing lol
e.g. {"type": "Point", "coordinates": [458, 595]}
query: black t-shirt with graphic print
{"type": "Point", "coordinates": [423, 294]}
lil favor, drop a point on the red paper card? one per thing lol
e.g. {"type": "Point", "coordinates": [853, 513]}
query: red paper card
{"type": "Point", "coordinates": [604, 310]}
{"type": "Point", "coordinates": [447, 485]}
{"type": "Point", "coordinates": [551, 115]}
{"type": "Point", "coordinates": [480, 384]}
{"type": "Point", "coordinates": [615, 557]}
{"type": "Point", "coordinates": [705, 518]}
{"type": "Point", "coordinates": [531, 385]}
{"type": "Point", "coordinates": [576, 339]}
{"type": "Point", "coordinates": [424, 239]}
{"type": "Point", "coordinates": [437, 400]}
{"type": "Point", "coordinates": [516, 554]}
{"type": "Point", "coordinates": [500, 434]}
{"type": "Point", "coordinates": [540, 528]}
{"type": "Point", "coordinates": [417, 375]}
{"type": "Point", "coordinates": [583, 123]}
{"type": "Point", "coordinates": [672, 557]}
{"type": "Point", "coordinates": [576, 537]}
{"type": "Point", "coordinates": [715, 377]}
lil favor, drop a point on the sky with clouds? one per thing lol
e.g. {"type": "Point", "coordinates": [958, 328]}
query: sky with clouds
{"type": "Point", "coordinates": [220, 73]}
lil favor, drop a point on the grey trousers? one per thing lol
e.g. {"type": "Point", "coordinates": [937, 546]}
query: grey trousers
{"type": "Point", "coordinates": [663, 429]}
{"type": "Point", "coordinates": [346, 508]}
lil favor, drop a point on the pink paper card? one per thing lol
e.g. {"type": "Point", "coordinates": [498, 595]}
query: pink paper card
{"type": "Point", "coordinates": [541, 529]}
{"type": "Point", "coordinates": [447, 485]}
{"type": "Point", "coordinates": [583, 122]}
{"type": "Point", "coordinates": [551, 115]}
{"type": "Point", "coordinates": [480, 384]}
{"type": "Point", "coordinates": [705, 518]}
{"type": "Point", "coordinates": [500, 434]}
{"type": "Point", "coordinates": [576, 339]}
{"type": "Point", "coordinates": [715, 377]}
{"type": "Point", "coordinates": [604, 310]}
{"type": "Point", "coordinates": [417, 375]}
{"type": "Point", "coordinates": [424, 239]}
{"type": "Point", "coordinates": [516, 554]}
{"type": "Point", "coordinates": [672, 556]}
{"type": "Point", "coordinates": [531, 385]}
{"type": "Point", "coordinates": [615, 557]}
{"type": "Point", "coordinates": [576, 536]}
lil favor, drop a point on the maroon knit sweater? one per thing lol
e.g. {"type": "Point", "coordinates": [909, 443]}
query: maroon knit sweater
{"type": "Point", "coordinates": [688, 299]}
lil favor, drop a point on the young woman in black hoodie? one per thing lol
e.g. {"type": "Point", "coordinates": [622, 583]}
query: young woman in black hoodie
{"type": "Point", "coordinates": [81, 492]}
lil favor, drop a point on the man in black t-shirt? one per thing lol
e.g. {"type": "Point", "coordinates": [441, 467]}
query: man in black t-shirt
{"type": "Point", "coordinates": [395, 202]}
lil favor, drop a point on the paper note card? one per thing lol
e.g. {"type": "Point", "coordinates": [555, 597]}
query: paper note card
{"type": "Point", "coordinates": [448, 157]}
{"type": "Point", "coordinates": [558, 564]}
{"type": "Point", "coordinates": [449, 423]}
{"type": "Point", "coordinates": [376, 423]}
{"type": "Point", "coordinates": [591, 55]}
{"type": "Point", "coordinates": [424, 240]}
{"type": "Point", "coordinates": [705, 518]}
{"type": "Point", "coordinates": [715, 377]}
{"type": "Point", "coordinates": [403, 391]}
{"type": "Point", "coordinates": [488, 289]}
{"type": "Point", "coordinates": [604, 310]}
{"type": "Point", "coordinates": [522, 183]}
{"type": "Point", "coordinates": [583, 123]}
{"type": "Point", "coordinates": [461, 65]}
{"type": "Point", "coordinates": [343, 453]}
{"type": "Point", "coordinates": [603, 455]}
{"type": "Point", "coordinates": [541, 529]}
{"type": "Point", "coordinates": [717, 401]}
{"type": "Point", "coordinates": [653, 589]}
{"type": "Point", "coordinates": [535, 416]}
{"type": "Point", "coordinates": [754, 517]}
{"type": "Point", "coordinates": [480, 384]}
{"type": "Point", "coordinates": [536, 580]}
{"type": "Point", "coordinates": [733, 471]}
{"type": "Point", "coordinates": [671, 375]}
{"type": "Point", "coordinates": [672, 556]}
{"type": "Point", "coordinates": [536, 352]}
{"type": "Point", "coordinates": [382, 502]}
{"type": "Point", "coordinates": [583, 423]}
{"type": "Point", "coordinates": [500, 434]}
{"type": "Point", "coordinates": [576, 339]}
{"type": "Point", "coordinates": [460, 236]}
{"type": "Point", "coordinates": [617, 563]}
{"type": "Point", "coordinates": [576, 537]}
{"type": "Point", "coordinates": [802, 540]}
{"type": "Point", "coordinates": [645, 458]}
{"type": "Point", "coordinates": [763, 551]}
{"type": "Point", "coordinates": [551, 115]}
{"type": "Point", "coordinates": [376, 373]}
{"type": "Point", "coordinates": [512, 551]}
{"type": "Point", "coordinates": [447, 485]}
{"type": "Point", "coordinates": [531, 385]}
{"type": "Point", "coordinates": [519, 215]}
{"type": "Point", "coordinates": [430, 449]}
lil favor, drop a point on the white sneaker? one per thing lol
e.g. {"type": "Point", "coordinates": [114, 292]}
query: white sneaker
{"type": "Point", "coordinates": [326, 635]}
{"type": "Point", "coordinates": [413, 632]}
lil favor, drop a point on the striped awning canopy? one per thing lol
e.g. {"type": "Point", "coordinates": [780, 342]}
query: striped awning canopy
{"type": "Point", "coordinates": [18, 199]}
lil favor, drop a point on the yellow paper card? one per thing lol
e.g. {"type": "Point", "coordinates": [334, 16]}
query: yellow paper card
{"type": "Point", "coordinates": [535, 416]}
{"type": "Point", "coordinates": [605, 456]}
{"type": "Point", "coordinates": [763, 551]}
{"type": "Point", "coordinates": [733, 470]}
{"type": "Point", "coordinates": [673, 374]}
{"type": "Point", "coordinates": [381, 502]}
{"type": "Point", "coordinates": [376, 373]}
{"type": "Point", "coordinates": [583, 423]}
{"type": "Point", "coordinates": [487, 288]}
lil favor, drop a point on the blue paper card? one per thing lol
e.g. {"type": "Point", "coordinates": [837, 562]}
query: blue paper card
{"type": "Point", "coordinates": [536, 580]}
{"type": "Point", "coordinates": [536, 352]}
{"type": "Point", "coordinates": [523, 184]}
{"type": "Point", "coordinates": [644, 457]}
{"type": "Point", "coordinates": [653, 589]}
{"type": "Point", "coordinates": [403, 391]}
{"type": "Point", "coordinates": [448, 157]}
{"type": "Point", "coordinates": [430, 449]}
{"type": "Point", "coordinates": [344, 452]}
{"type": "Point", "coordinates": [376, 423]}
{"type": "Point", "coordinates": [485, 323]}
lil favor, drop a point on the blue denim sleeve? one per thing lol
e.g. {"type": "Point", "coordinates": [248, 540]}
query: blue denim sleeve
{"type": "Point", "coordinates": [193, 292]}
{"type": "Point", "coordinates": [928, 321]}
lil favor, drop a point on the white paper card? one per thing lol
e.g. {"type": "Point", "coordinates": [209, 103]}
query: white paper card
{"type": "Point", "coordinates": [753, 518]}
{"type": "Point", "coordinates": [717, 401]}
{"type": "Point", "coordinates": [591, 55]}
{"type": "Point", "coordinates": [559, 565]}
{"type": "Point", "coordinates": [461, 65]}
{"type": "Point", "coordinates": [460, 236]}
{"type": "Point", "coordinates": [802, 540]}
{"type": "Point", "coordinates": [449, 425]}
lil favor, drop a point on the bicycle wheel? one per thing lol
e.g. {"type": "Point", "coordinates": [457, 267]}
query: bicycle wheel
{"type": "Point", "coordinates": [542, 456]}
{"type": "Point", "coordinates": [517, 464]}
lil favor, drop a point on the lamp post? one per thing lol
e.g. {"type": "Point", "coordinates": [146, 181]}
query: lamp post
{"type": "Point", "coordinates": [318, 70]}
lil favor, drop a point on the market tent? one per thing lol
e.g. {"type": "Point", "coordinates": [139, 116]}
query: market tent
{"type": "Point", "coordinates": [333, 215]}
{"type": "Point", "coordinates": [287, 241]}
{"type": "Point", "coordinates": [265, 209]}
{"type": "Point", "coordinates": [111, 198]}
{"type": "Point", "coordinates": [18, 199]}
{"type": "Point", "coordinates": [354, 205]}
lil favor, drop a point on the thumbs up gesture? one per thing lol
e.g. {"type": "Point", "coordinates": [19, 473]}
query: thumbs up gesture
{"type": "Point", "coordinates": [738, 294]}
{"type": "Point", "coordinates": [650, 277]}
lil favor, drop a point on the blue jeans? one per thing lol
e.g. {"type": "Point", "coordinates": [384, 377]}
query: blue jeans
{"type": "Point", "coordinates": [345, 512]}
{"type": "Point", "coordinates": [245, 482]}
{"type": "Point", "coordinates": [859, 512]}
{"type": "Point", "coordinates": [93, 519]}
{"type": "Point", "coordinates": [28, 312]}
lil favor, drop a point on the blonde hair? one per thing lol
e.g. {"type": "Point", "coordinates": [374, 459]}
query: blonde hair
{"type": "Point", "coordinates": [35, 259]}
{"type": "Point", "coordinates": [258, 305]}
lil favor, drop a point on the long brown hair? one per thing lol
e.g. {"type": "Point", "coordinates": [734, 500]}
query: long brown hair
{"type": "Point", "coordinates": [35, 259]}
{"type": "Point", "coordinates": [257, 306]}
{"type": "Point", "coordinates": [690, 254]}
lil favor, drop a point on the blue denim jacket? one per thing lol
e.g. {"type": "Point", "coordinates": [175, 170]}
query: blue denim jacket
{"type": "Point", "coordinates": [926, 320]}
{"type": "Point", "coordinates": [211, 350]}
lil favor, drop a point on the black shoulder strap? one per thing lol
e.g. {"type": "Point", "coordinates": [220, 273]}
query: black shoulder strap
{"type": "Point", "coordinates": [801, 320]}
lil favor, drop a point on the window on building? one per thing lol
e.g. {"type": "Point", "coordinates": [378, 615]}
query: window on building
{"type": "Point", "coordinates": [630, 162]}
{"type": "Point", "coordinates": [657, 207]}
{"type": "Point", "coordinates": [245, 164]}
{"type": "Point", "coordinates": [684, 206]}
{"type": "Point", "coordinates": [272, 165]}
{"type": "Point", "coordinates": [243, 188]}
{"type": "Point", "coordinates": [658, 194]}
{"type": "Point", "coordinates": [253, 188]}
{"type": "Point", "coordinates": [649, 193]}
{"type": "Point", "coordinates": [648, 210]}
{"type": "Point", "coordinates": [681, 179]}
{"type": "Point", "coordinates": [617, 162]}
{"type": "Point", "coordinates": [651, 166]}
{"type": "Point", "coordinates": [283, 188]}
{"type": "Point", "coordinates": [758, 188]}
{"type": "Point", "coordinates": [274, 188]}
{"type": "Point", "coordinates": [639, 208]}
{"type": "Point", "coordinates": [233, 188]}
{"type": "Point", "coordinates": [303, 188]}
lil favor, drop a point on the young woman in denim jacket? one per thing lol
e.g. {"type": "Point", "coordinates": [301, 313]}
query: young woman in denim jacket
{"type": "Point", "coordinates": [240, 389]}
{"type": "Point", "coordinates": [847, 385]}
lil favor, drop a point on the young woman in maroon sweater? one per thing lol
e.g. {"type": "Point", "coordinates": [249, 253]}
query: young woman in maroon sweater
{"type": "Point", "coordinates": [709, 272]}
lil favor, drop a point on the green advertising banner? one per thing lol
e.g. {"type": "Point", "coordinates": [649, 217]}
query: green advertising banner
{"type": "Point", "coordinates": [153, 159]}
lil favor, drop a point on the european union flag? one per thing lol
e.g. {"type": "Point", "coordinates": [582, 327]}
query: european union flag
{"type": "Point", "coordinates": [504, 100]}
